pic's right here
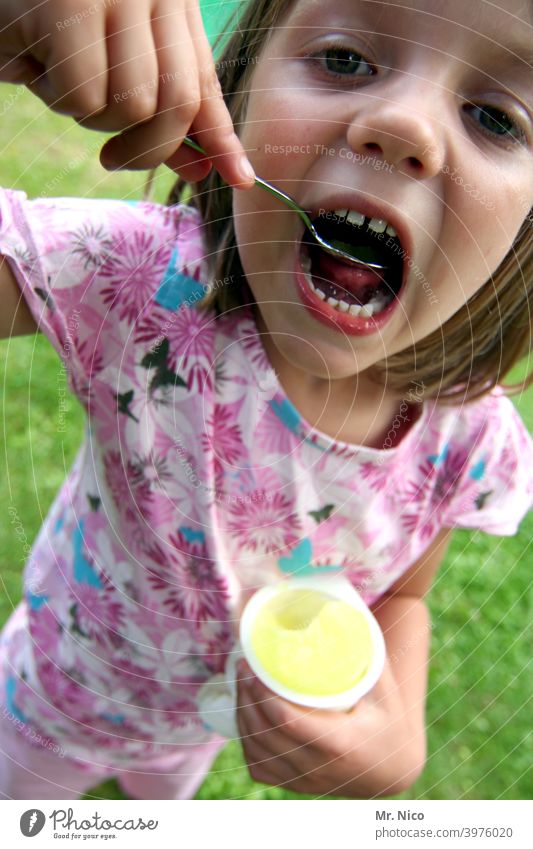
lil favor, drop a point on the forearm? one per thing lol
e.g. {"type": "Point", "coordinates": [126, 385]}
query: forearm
{"type": "Point", "coordinates": [406, 626]}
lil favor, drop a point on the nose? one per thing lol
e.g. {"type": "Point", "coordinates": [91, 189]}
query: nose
{"type": "Point", "coordinates": [400, 124]}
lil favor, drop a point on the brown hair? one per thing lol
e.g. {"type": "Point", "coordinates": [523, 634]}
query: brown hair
{"type": "Point", "coordinates": [461, 361]}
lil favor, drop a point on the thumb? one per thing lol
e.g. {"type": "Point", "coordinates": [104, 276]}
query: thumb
{"type": "Point", "coordinates": [243, 672]}
{"type": "Point", "coordinates": [385, 687]}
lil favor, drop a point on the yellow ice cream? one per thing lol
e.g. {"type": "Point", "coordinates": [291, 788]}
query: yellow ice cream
{"type": "Point", "coordinates": [312, 643]}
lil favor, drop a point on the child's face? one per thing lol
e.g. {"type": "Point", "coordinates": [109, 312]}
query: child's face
{"type": "Point", "coordinates": [393, 118]}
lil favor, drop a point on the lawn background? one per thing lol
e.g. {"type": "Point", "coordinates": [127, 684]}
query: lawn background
{"type": "Point", "coordinates": [479, 702]}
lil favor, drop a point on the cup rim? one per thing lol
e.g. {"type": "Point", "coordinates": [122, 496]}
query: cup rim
{"type": "Point", "coordinates": [340, 588]}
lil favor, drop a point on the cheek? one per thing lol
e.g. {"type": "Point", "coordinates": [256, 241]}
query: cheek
{"type": "Point", "coordinates": [489, 212]}
{"type": "Point", "coordinates": [476, 238]}
{"type": "Point", "coordinates": [482, 251]}
{"type": "Point", "coordinates": [278, 134]}
{"type": "Point", "coordinates": [272, 100]}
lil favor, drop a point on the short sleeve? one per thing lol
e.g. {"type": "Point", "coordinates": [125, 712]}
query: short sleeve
{"type": "Point", "coordinates": [496, 486]}
{"type": "Point", "coordinates": [88, 270]}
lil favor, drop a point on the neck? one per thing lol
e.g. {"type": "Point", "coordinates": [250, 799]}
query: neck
{"type": "Point", "coordinates": [354, 409]}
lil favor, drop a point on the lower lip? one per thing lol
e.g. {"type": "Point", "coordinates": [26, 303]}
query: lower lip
{"type": "Point", "coordinates": [328, 315]}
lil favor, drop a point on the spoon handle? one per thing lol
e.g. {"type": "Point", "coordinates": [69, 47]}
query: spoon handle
{"type": "Point", "coordinates": [264, 185]}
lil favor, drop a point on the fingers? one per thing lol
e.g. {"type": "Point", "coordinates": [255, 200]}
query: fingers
{"type": "Point", "coordinates": [181, 87]}
{"type": "Point", "coordinates": [213, 126]}
{"type": "Point", "coordinates": [290, 727]}
{"type": "Point", "coordinates": [271, 755]}
{"type": "Point", "coordinates": [144, 70]}
{"type": "Point", "coordinates": [132, 74]}
{"type": "Point", "coordinates": [298, 724]}
{"type": "Point", "coordinates": [177, 96]}
{"type": "Point", "coordinates": [75, 81]}
{"type": "Point", "coordinates": [191, 166]}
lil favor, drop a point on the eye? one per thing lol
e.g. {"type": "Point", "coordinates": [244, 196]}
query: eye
{"type": "Point", "coordinates": [342, 61]}
{"type": "Point", "coordinates": [496, 123]}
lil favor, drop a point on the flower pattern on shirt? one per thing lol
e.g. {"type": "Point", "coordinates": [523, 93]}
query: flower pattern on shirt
{"type": "Point", "coordinates": [134, 263]}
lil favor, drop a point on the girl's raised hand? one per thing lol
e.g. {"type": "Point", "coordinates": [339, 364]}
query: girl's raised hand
{"type": "Point", "coordinates": [142, 69]}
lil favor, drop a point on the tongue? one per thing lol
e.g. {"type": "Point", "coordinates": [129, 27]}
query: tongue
{"type": "Point", "coordinates": [361, 282]}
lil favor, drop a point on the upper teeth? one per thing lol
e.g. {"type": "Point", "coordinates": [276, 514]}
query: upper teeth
{"type": "Point", "coordinates": [378, 225]}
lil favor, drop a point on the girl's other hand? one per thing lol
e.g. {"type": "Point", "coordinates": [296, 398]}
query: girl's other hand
{"type": "Point", "coordinates": [373, 750]}
{"type": "Point", "coordinates": [142, 69]}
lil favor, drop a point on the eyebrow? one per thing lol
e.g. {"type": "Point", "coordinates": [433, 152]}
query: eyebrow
{"type": "Point", "coordinates": [517, 49]}
{"type": "Point", "coordinates": [521, 52]}
{"type": "Point", "coordinates": [516, 53]}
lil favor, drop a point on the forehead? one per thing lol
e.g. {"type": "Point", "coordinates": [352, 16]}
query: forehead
{"type": "Point", "coordinates": [522, 10]}
{"type": "Point", "coordinates": [507, 24]}
{"type": "Point", "coordinates": [515, 15]}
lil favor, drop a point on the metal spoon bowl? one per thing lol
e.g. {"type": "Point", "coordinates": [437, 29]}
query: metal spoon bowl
{"type": "Point", "coordinates": [326, 246]}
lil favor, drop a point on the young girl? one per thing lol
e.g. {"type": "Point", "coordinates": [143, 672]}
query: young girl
{"type": "Point", "coordinates": [256, 409]}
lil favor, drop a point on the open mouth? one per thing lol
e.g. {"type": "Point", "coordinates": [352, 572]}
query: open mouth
{"type": "Point", "coordinates": [348, 288]}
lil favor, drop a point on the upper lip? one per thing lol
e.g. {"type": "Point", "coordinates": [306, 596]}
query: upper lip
{"type": "Point", "coordinates": [369, 208]}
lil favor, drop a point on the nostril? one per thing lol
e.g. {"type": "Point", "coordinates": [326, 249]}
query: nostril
{"type": "Point", "coordinates": [415, 163]}
{"type": "Point", "coordinates": [373, 148]}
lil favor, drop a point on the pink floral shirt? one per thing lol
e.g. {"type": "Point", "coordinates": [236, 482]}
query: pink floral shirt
{"type": "Point", "coordinates": [199, 481]}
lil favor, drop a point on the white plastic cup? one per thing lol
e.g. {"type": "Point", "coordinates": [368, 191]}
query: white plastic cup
{"type": "Point", "coordinates": [218, 697]}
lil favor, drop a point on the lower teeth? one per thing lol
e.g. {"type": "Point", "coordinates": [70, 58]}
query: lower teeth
{"type": "Point", "coordinates": [373, 307]}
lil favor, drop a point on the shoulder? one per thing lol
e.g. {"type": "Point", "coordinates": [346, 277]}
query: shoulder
{"type": "Point", "coordinates": [56, 244]}
{"type": "Point", "coordinates": [485, 418]}
{"type": "Point", "coordinates": [53, 221]}
{"type": "Point", "coordinates": [89, 269]}
{"type": "Point", "coordinates": [486, 464]}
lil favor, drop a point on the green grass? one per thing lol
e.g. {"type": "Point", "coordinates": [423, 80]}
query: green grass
{"type": "Point", "coordinates": [479, 714]}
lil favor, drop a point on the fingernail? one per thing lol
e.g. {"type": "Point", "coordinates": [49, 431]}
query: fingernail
{"type": "Point", "coordinates": [246, 169]}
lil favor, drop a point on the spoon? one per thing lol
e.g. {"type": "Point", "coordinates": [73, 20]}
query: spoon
{"type": "Point", "coordinates": [326, 246]}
